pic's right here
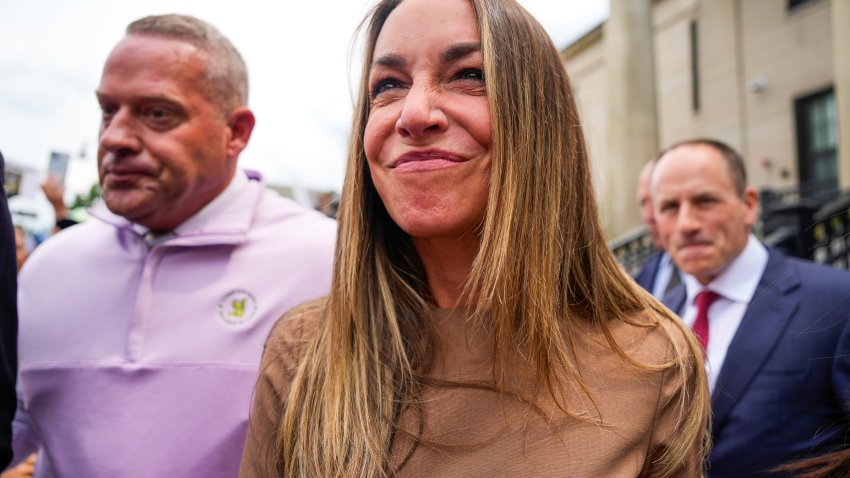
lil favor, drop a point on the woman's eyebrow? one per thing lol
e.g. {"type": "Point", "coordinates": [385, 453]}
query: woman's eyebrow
{"type": "Point", "coordinates": [454, 52]}
{"type": "Point", "coordinates": [390, 60]}
{"type": "Point", "coordinates": [459, 50]}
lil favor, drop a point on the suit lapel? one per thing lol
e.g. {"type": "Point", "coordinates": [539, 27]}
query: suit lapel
{"type": "Point", "coordinates": [764, 322]}
{"type": "Point", "coordinates": [675, 299]}
{"type": "Point", "coordinates": [646, 276]}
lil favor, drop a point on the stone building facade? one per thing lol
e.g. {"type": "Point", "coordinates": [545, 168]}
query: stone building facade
{"type": "Point", "coordinates": [769, 77]}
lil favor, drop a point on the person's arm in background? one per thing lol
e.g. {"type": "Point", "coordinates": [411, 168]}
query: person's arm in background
{"type": "Point", "coordinates": [25, 442]}
{"type": "Point", "coordinates": [8, 325]}
{"type": "Point", "coordinates": [55, 194]}
{"type": "Point", "coordinates": [24, 469]}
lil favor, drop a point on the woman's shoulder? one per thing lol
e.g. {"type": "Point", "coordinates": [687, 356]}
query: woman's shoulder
{"type": "Point", "coordinates": [661, 337]}
{"type": "Point", "coordinates": [296, 328]}
{"type": "Point", "coordinates": [285, 348]}
{"type": "Point", "coordinates": [646, 336]}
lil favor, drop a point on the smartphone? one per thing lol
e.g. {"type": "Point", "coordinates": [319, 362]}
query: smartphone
{"type": "Point", "coordinates": [58, 166]}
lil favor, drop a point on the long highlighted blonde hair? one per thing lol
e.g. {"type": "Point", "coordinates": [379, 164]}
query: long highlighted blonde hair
{"type": "Point", "coordinates": [373, 351]}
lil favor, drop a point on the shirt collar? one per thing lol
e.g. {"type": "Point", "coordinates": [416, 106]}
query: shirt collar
{"type": "Point", "coordinates": [739, 280]}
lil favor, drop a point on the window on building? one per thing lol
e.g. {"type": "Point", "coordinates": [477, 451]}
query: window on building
{"type": "Point", "coordinates": [695, 100]}
{"type": "Point", "coordinates": [817, 141]}
{"type": "Point", "coordinates": [792, 4]}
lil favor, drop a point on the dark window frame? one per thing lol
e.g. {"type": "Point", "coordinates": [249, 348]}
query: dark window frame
{"type": "Point", "coordinates": [694, 41]}
{"type": "Point", "coordinates": [805, 138]}
{"type": "Point", "coordinates": [795, 4]}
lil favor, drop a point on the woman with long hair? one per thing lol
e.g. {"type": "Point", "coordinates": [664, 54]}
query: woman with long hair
{"type": "Point", "coordinates": [477, 323]}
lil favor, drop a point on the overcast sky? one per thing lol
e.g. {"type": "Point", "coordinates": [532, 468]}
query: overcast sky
{"type": "Point", "coordinates": [52, 52]}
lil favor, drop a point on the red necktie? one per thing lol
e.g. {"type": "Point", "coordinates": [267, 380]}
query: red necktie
{"type": "Point", "coordinates": [704, 300]}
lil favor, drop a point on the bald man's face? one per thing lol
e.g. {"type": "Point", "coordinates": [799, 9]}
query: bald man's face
{"type": "Point", "coordinates": [703, 222]}
{"type": "Point", "coordinates": [645, 201]}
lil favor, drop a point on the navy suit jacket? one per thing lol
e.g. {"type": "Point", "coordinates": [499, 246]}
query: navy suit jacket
{"type": "Point", "coordinates": [783, 392]}
{"type": "Point", "coordinates": [646, 276]}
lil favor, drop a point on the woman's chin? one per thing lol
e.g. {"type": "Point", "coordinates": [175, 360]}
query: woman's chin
{"type": "Point", "coordinates": [431, 227]}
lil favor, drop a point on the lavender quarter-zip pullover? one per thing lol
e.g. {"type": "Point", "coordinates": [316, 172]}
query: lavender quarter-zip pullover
{"type": "Point", "coordinates": [141, 362]}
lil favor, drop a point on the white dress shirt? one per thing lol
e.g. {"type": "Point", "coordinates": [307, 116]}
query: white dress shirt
{"type": "Point", "coordinates": [665, 272]}
{"type": "Point", "coordinates": [736, 286]}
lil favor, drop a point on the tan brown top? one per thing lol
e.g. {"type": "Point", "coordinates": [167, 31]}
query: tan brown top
{"type": "Point", "coordinates": [481, 433]}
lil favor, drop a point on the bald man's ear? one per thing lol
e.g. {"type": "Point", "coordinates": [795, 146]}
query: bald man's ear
{"type": "Point", "coordinates": [751, 201]}
{"type": "Point", "coordinates": [241, 124]}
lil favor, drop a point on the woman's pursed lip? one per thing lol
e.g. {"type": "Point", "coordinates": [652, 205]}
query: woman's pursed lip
{"type": "Point", "coordinates": [431, 155]}
{"type": "Point", "coordinates": [425, 165]}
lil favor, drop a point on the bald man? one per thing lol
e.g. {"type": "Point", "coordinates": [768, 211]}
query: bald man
{"type": "Point", "coordinates": [659, 275]}
{"type": "Point", "coordinates": [776, 329]}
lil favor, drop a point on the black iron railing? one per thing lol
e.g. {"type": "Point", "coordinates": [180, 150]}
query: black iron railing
{"type": "Point", "coordinates": [633, 249]}
{"type": "Point", "coordinates": [830, 233]}
{"type": "Point", "coordinates": [820, 191]}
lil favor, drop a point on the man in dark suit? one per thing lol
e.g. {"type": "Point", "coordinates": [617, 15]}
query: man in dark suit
{"type": "Point", "coordinates": [8, 325]}
{"type": "Point", "coordinates": [658, 275]}
{"type": "Point", "coordinates": [775, 328]}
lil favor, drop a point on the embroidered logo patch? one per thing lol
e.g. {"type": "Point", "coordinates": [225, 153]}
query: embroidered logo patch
{"type": "Point", "coordinates": [237, 307]}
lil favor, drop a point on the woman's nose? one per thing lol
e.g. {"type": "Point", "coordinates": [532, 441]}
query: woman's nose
{"type": "Point", "coordinates": [421, 113]}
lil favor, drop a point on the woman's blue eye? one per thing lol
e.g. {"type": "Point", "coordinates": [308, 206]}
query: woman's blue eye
{"type": "Point", "coordinates": [471, 74]}
{"type": "Point", "coordinates": [385, 85]}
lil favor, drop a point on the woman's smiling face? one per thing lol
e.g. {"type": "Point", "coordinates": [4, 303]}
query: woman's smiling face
{"type": "Point", "coordinates": [428, 135]}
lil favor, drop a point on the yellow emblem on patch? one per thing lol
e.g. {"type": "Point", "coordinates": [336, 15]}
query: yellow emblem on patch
{"type": "Point", "coordinates": [237, 307]}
